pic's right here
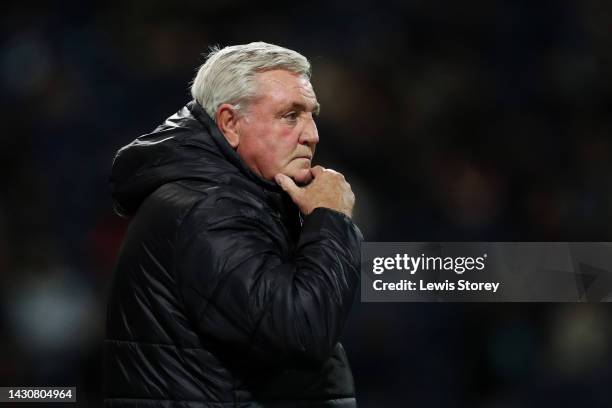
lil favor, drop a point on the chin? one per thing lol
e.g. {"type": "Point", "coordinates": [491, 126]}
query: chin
{"type": "Point", "coordinates": [302, 177]}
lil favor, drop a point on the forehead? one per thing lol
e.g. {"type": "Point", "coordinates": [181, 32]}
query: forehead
{"type": "Point", "coordinates": [279, 87]}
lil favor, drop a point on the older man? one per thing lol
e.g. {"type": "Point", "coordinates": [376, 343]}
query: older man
{"type": "Point", "coordinates": [230, 290]}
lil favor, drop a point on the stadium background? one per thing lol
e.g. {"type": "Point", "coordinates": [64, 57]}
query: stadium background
{"type": "Point", "coordinates": [478, 120]}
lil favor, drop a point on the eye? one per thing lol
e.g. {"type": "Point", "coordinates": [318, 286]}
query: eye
{"type": "Point", "coordinates": [292, 115]}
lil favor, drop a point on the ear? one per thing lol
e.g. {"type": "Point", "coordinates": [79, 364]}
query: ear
{"type": "Point", "coordinates": [227, 121]}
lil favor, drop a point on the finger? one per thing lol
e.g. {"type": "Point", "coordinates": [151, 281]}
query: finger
{"type": "Point", "coordinates": [316, 170]}
{"type": "Point", "coordinates": [332, 171]}
{"type": "Point", "coordinates": [288, 185]}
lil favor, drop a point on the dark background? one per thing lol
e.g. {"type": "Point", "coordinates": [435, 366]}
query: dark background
{"type": "Point", "coordinates": [479, 120]}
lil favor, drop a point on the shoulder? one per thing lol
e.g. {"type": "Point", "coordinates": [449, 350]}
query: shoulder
{"type": "Point", "coordinates": [222, 204]}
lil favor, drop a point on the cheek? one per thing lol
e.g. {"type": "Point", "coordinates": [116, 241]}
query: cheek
{"type": "Point", "coordinates": [281, 143]}
{"type": "Point", "coordinates": [270, 150]}
{"type": "Point", "coordinates": [270, 147]}
{"type": "Point", "coordinates": [260, 140]}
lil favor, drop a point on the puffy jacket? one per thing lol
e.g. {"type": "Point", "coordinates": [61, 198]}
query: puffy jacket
{"type": "Point", "coordinates": [223, 296]}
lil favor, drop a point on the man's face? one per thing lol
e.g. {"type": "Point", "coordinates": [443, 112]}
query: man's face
{"type": "Point", "coordinates": [278, 133]}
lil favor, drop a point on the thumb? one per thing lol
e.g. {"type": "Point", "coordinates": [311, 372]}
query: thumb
{"type": "Point", "coordinates": [288, 185]}
{"type": "Point", "coordinates": [316, 170]}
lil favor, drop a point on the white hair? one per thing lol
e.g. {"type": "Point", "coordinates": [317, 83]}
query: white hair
{"type": "Point", "coordinates": [228, 75]}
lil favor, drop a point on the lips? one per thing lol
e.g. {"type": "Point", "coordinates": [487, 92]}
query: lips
{"type": "Point", "coordinates": [304, 156]}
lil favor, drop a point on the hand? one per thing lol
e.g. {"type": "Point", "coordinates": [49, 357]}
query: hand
{"type": "Point", "coordinates": [328, 189]}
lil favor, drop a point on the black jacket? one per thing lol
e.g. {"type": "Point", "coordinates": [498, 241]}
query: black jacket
{"type": "Point", "coordinates": [221, 298]}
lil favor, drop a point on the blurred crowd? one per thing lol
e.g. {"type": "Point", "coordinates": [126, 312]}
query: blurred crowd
{"type": "Point", "coordinates": [453, 121]}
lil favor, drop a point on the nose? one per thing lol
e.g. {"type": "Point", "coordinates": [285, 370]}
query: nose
{"type": "Point", "coordinates": [309, 134]}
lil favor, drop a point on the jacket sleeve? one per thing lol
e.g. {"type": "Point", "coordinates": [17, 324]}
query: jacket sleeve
{"type": "Point", "coordinates": [246, 291]}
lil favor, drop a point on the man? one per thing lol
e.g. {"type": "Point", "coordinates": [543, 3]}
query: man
{"type": "Point", "coordinates": [224, 295]}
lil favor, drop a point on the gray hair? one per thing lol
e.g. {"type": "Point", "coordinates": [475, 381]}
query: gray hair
{"type": "Point", "coordinates": [228, 75]}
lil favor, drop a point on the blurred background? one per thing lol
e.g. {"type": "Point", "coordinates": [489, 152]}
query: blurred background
{"type": "Point", "coordinates": [479, 120]}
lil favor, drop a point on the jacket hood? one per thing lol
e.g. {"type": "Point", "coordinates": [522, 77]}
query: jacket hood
{"type": "Point", "coordinates": [187, 146]}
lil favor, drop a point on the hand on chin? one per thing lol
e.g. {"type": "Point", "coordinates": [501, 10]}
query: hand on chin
{"type": "Point", "coordinates": [301, 177]}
